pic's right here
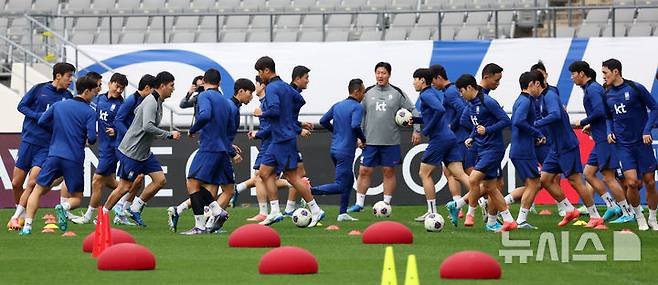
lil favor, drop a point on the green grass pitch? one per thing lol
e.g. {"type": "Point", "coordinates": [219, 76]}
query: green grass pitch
{"type": "Point", "coordinates": [343, 259]}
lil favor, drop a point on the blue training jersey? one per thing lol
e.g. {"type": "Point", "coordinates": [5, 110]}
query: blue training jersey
{"type": "Point", "coordinates": [524, 134]}
{"type": "Point", "coordinates": [106, 110]}
{"type": "Point", "coordinates": [432, 110]}
{"type": "Point", "coordinates": [485, 111]}
{"type": "Point", "coordinates": [125, 116]}
{"type": "Point", "coordinates": [346, 126]}
{"type": "Point", "coordinates": [280, 99]}
{"type": "Point", "coordinates": [35, 102]}
{"type": "Point", "coordinates": [556, 119]}
{"type": "Point", "coordinates": [595, 110]}
{"type": "Point", "coordinates": [264, 133]}
{"type": "Point", "coordinates": [213, 119]}
{"type": "Point", "coordinates": [626, 112]}
{"type": "Point", "coordinates": [454, 104]}
{"type": "Point", "coordinates": [234, 104]}
{"type": "Point", "coordinates": [73, 124]}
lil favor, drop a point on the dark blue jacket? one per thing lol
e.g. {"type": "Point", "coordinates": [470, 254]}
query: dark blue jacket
{"type": "Point", "coordinates": [484, 110]}
{"type": "Point", "coordinates": [282, 103]}
{"type": "Point", "coordinates": [124, 117]}
{"type": "Point", "coordinates": [346, 126]}
{"type": "Point", "coordinates": [214, 118]}
{"type": "Point", "coordinates": [595, 110]}
{"type": "Point", "coordinates": [556, 119]}
{"type": "Point", "coordinates": [73, 124]}
{"type": "Point", "coordinates": [35, 102]}
{"type": "Point", "coordinates": [233, 128]}
{"type": "Point", "coordinates": [627, 114]}
{"type": "Point", "coordinates": [433, 114]}
{"type": "Point", "coordinates": [524, 134]}
{"type": "Point", "coordinates": [106, 110]}
{"type": "Point", "coordinates": [454, 104]}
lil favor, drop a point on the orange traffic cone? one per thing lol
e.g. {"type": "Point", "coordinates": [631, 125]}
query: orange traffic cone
{"type": "Point", "coordinates": [102, 238]}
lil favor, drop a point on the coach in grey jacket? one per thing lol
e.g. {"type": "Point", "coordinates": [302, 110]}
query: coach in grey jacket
{"type": "Point", "coordinates": [380, 103]}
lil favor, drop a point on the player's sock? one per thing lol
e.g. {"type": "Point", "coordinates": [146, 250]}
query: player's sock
{"type": "Point", "coordinates": [262, 208]}
{"type": "Point", "coordinates": [460, 203]}
{"type": "Point", "coordinates": [274, 207]}
{"type": "Point", "coordinates": [593, 212]}
{"type": "Point", "coordinates": [200, 221]}
{"type": "Point", "coordinates": [638, 211]}
{"type": "Point", "coordinates": [20, 210]}
{"type": "Point", "coordinates": [471, 211]}
{"type": "Point", "coordinates": [625, 208]}
{"type": "Point", "coordinates": [313, 206]}
{"type": "Point", "coordinates": [241, 187]}
{"type": "Point", "coordinates": [566, 205]}
{"type": "Point", "coordinates": [652, 215]}
{"type": "Point", "coordinates": [28, 223]}
{"type": "Point", "coordinates": [388, 198]}
{"type": "Point", "coordinates": [431, 206]}
{"type": "Point", "coordinates": [62, 200]}
{"type": "Point", "coordinates": [66, 206]}
{"type": "Point", "coordinates": [290, 206]}
{"type": "Point", "coordinates": [491, 220]}
{"type": "Point", "coordinates": [126, 205]}
{"type": "Point", "coordinates": [105, 210]}
{"type": "Point", "coordinates": [124, 198]}
{"type": "Point", "coordinates": [181, 208]}
{"type": "Point", "coordinates": [523, 215]}
{"type": "Point", "coordinates": [137, 205]}
{"type": "Point", "coordinates": [456, 198]}
{"type": "Point", "coordinates": [509, 199]}
{"type": "Point", "coordinates": [197, 202]}
{"type": "Point", "coordinates": [360, 199]}
{"type": "Point", "coordinates": [89, 213]}
{"type": "Point", "coordinates": [215, 208]}
{"type": "Point", "coordinates": [609, 202]}
{"type": "Point", "coordinates": [507, 216]}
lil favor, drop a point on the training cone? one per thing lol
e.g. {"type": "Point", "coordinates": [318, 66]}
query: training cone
{"type": "Point", "coordinates": [288, 260]}
{"type": "Point", "coordinates": [354, 233]}
{"type": "Point", "coordinates": [50, 221]}
{"type": "Point", "coordinates": [126, 256]}
{"type": "Point", "coordinates": [387, 232]}
{"type": "Point", "coordinates": [118, 236]}
{"type": "Point", "coordinates": [48, 216]}
{"type": "Point", "coordinates": [69, 234]}
{"type": "Point", "coordinates": [579, 223]}
{"type": "Point", "coordinates": [470, 264]}
{"type": "Point", "coordinates": [51, 226]}
{"type": "Point", "coordinates": [389, 276]}
{"type": "Point", "coordinates": [545, 212]}
{"type": "Point", "coordinates": [411, 278]}
{"type": "Point", "coordinates": [102, 236]}
{"type": "Point", "coordinates": [626, 231]}
{"type": "Point", "coordinates": [48, 231]}
{"type": "Point", "coordinates": [601, 227]}
{"type": "Point", "coordinates": [254, 235]}
{"type": "Point", "coordinates": [332, 228]}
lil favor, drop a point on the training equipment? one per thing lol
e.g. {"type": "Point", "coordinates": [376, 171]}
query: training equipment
{"type": "Point", "coordinates": [126, 256]}
{"type": "Point", "coordinates": [381, 209]}
{"type": "Point", "coordinates": [403, 117]}
{"type": "Point", "coordinates": [301, 217]}
{"type": "Point", "coordinates": [102, 235]}
{"type": "Point", "coordinates": [69, 234]}
{"type": "Point", "coordinates": [288, 260]}
{"type": "Point", "coordinates": [434, 222]}
{"type": "Point", "coordinates": [254, 235]}
{"type": "Point", "coordinates": [387, 232]}
{"type": "Point", "coordinates": [118, 236]}
{"type": "Point", "coordinates": [48, 231]}
{"type": "Point", "coordinates": [545, 212]}
{"type": "Point", "coordinates": [411, 277]}
{"type": "Point", "coordinates": [470, 264]}
{"type": "Point", "coordinates": [332, 228]}
{"type": "Point", "coordinates": [389, 276]}
{"type": "Point", "coordinates": [354, 233]}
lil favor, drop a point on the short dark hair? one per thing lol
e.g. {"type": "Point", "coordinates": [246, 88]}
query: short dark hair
{"type": "Point", "coordinates": [528, 77]}
{"type": "Point", "coordinates": [424, 73]}
{"type": "Point", "coordinates": [119, 79]}
{"type": "Point", "coordinates": [85, 83]}
{"type": "Point", "coordinates": [94, 75]}
{"type": "Point", "coordinates": [244, 84]}
{"type": "Point", "coordinates": [163, 78]}
{"type": "Point", "coordinates": [265, 62]}
{"type": "Point", "coordinates": [385, 65]}
{"type": "Point", "coordinates": [466, 80]}
{"type": "Point", "coordinates": [146, 81]}
{"type": "Point", "coordinates": [200, 77]}
{"type": "Point", "coordinates": [539, 65]}
{"type": "Point", "coordinates": [613, 64]}
{"type": "Point", "coordinates": [579, 66]}
{"type": "Point", "coordinates": [438, 70]}
{"type": "Point", "coordinates": [62, 68]}
{"type": "Point", "coordinates": [540, 77]}
{"type": "Point", "coordinates": [299, 71]}
{"type": "Point", "coordinates": [354, 85]}
{"type": "Point", "coordinates": [212, 76]}
{"type": "Point", "coordinates": [491, 69]}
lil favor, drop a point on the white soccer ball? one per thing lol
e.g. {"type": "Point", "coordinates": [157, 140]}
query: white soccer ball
{"type": "Point", "coordinates": [381, 209]}
{"type": "Point", "coordinates": [403, 117]}
{"type": "Point", "coordinates": [434, 222]}
{"type": "Point", "coordinates": [301, 217]}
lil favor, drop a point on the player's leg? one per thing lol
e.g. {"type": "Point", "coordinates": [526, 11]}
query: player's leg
{"type": "Point", "coordinates": [304, 190]}
{"type": "Point", "coordinates": [241, 187]}
{"type": "Point", "coordinates": [497, 202]}
{"type": "Point", "coordinates": [261, 197]}
{"type": "Point", "coordinates": [652, 198]}
{"type": "Point", "coordinates": [97, 183]}
{"type": "Point", "coordinates": [32, 206]}
{"type": "Point", "coordinates": [547, 180]}
{"type": "Point", "coordinates": [17, 182]}
{"type": "Point", "coordinates": [197, 201]}
{"type": "Point", "coordinates": [425, 173]}
{"type": "Point", "coordinates": [291, 202]}
{"type": "Point", "coordinates": [268, 176]}
{"type": "Point", "coordinates": [623, 210]}
{"type": "Point", "coordinates": [344, 180]}
{"type": "Point", "coordinates": [370, 158]}
{"type": "Point", "coordinates": [390, 158]}
{"type": "Point", "coordinates": [576, 181]}
{"type": "Point", "coordinates": [158, 180]}
{"type": "Point", "coordinates": [17, 219]}
{"type": "Point", "coordinates": [532, 187]}
{"type": "Point", "coordinates": [456, 169]}
{"type": "Point", "coordinates": [454, 187]}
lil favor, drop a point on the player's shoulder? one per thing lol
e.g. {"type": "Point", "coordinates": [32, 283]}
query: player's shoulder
{"type": "Point", "coordinates": [398, 89]}
{"type": "Point", "coordinates": [370, 88]}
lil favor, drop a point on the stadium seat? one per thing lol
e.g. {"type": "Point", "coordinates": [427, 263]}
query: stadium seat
{"type": "Point", "coordinates": [328, 5]}
{"type": "Point", "coordinates": [403, 20]}
{"type": "Point", "coordinates": [117, 24]}
{"type": "Point", "coordinates": [234, 37]}
{"type": "Point", "coordinates": [311, 36]}
{"type": "Point", "coordinates": [127, 6]}
{"type": "Point", "coordinates": [49, 6]}
{"type": "Point", "coordinates": [288, 21]}
{"type": "Point", "coordinates": [434, 5]}
{"type": "Point", "coordinates": [86, 24]}
{"type": "Point", "coordinates": [405, 4]}
{"type": "Point", "coordinates": [371, 35]}
{"type": "Point", "coordinates": [18, 6]}
{"type": "Point", "coordinates": [354, 5]}
{"type": "Point", "coordinates": [155, 5]}
{"type": "Point", "coordinates": [420, 34]}
{"type": "Point", "coordinates": [182, 37]}
{"type": "Point", "coordinates": [136, 23]}
{"type": "Point", "coordinates": [598, 16]}
{"type": "Point", "coordinates": [285, 36]}
{"type": "Point", "coordinates": [157, 23]}
{"type": "Point", "coordinates": [312, 21]}
{"type": "Point", "coordinates": [303, 5]}
{"type": "Point", "coordinates": [237, 22]}
{"type": "Point", "coordinates": [103, 38]}
{"type": "Point", "coordinates": [640, 30]}
{"type": "Point", "coordinates": [258, 36]}
{"type": "Point", "coordinates": [588, 31]}
{"type": "Point", "coordinates": [252, 5]}
{"type": "Point", "coordinates": [456, 4]}
{"type": "Point", "coordinates": [428, 20]}
{"type": "Point", "coordinates": [620, 30]}
{"type": "Point", "coordinates": [378, 5]}
{"type": "Point", "coordinates": [478, 4]}
{"type": "Point", "coordinates": [261, 22]}
{"type": "Point", "coordinates": [477, 18]}
{"type": "Point", "coordinates": [624, 15]}
{"type": "Point", "coordinates": [565, 32]}
{"type": "Point", "coordinates": [132, 38]}
{"type": "Point", "coordinates": [211, 23]}
{"type": "Point", "coordinates": [154, 38]}
{"type": "Point", "coordinates": [101, 6]}
{"type": "Point", "coordinates": [453, 19]}
{"type": "Point", "coordinates": [340, 21]}
{"type": "Point", "coordinates": [647, 15]}
{"type": "Point", "coordinates": [468, 33]}
{"type": "Point", "coordinates": [77, 6]}
{"type": "Point", "coordinates": [395, 34]}
{"type": "Point", "coordinates": [623, 2]}
{"type": "Point", "coordinates": [224, 5]}
{"type": "Point", "coordinates": [82, 38]}
{"type": "Point", "coordinates": [337, 36]}
{"type": "Point", "coordinates": [186, 23]}
{"type": "Point", "coordinates": [206, 37]}
{"type": "Point", "coordinates": [279, 5]}
{"type": "Point", "coordinates": [447, 33]}
{"type": "Point", "coordinates": [367, 20]}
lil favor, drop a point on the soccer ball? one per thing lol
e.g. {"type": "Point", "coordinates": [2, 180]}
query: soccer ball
{"type": "Point", "coordinates": [301, 217]}
{"type": "Point", "coordinates": [381, 209]}
{"type": "Point", "coordinates": [403, 117]}
{"type": "Point", "coordinates": [434, 222]}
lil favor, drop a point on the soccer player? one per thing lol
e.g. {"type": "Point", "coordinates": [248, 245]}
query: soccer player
{"type": "Point", "coordinates": [489, 120]}
{"type": "Point", "coordinates": [380, 103]}
{"type": "Point", "coordinates": [189, 101]}
{"type": "Point", "coordinates": [282, 103]}
{"type": "Point", "coordinates": [343, 120]}
{"type": "Point", "coordinates": [243, 93]}
{"type": "Point", "coordinates": [629, 128]}
{"type": "Point", "coordinates": [135, 148]}
{"type": "Point", "coordinates": [35, 139]}
{"type": "Point", "coordinates": [524, 138]}
{"type": "Point", "coordinates": [73, 124]}
{"type": "Point", "coordinates": [106, 106]}
{"type": "Point", "coordinates": [603, 157]}
{"type": "Point", "coordinates": [564, 159]}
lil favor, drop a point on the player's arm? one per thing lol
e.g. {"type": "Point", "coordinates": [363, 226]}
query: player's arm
{"type": "Point", "coordinates": [465, 121]}
{"type": "Point", "coordinates": [91, 129]}
{"type": "Point", "coordinates": [149, 125]}
{"type": "Point", "coordinates": [519, 119]}
{"type": "Point", "coordinates": [406, 103]}
{"type": "Point", "coordinates": [357, 113]}
{"type": "Point", "coordinates": [233, 123]}
{"type": "Point", "coordinates": [503, 121]}
{"type": "Point", "coordinates": [457, 104]}
{"type": "Point", "coordinates": [553, 106]}
{"type": "Point", "coordinates": [203, 114]}
{"type": "Point", "coordinates": [651, 104]}
{"type": "Point", "coordinates": [46, 119]}
{"type": "Point", "coordinates": [325, 121]}
{"type": "Point", "coordinates": [188, 101]}
{"type": "Point", "coordinates": [598, 109]}
{"type": "Point", "coordinates": [27, 101]}
{"type": "Point", "coordinates": [273, 104]}
{"type": "Point", "coordinates": [120, 124]}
